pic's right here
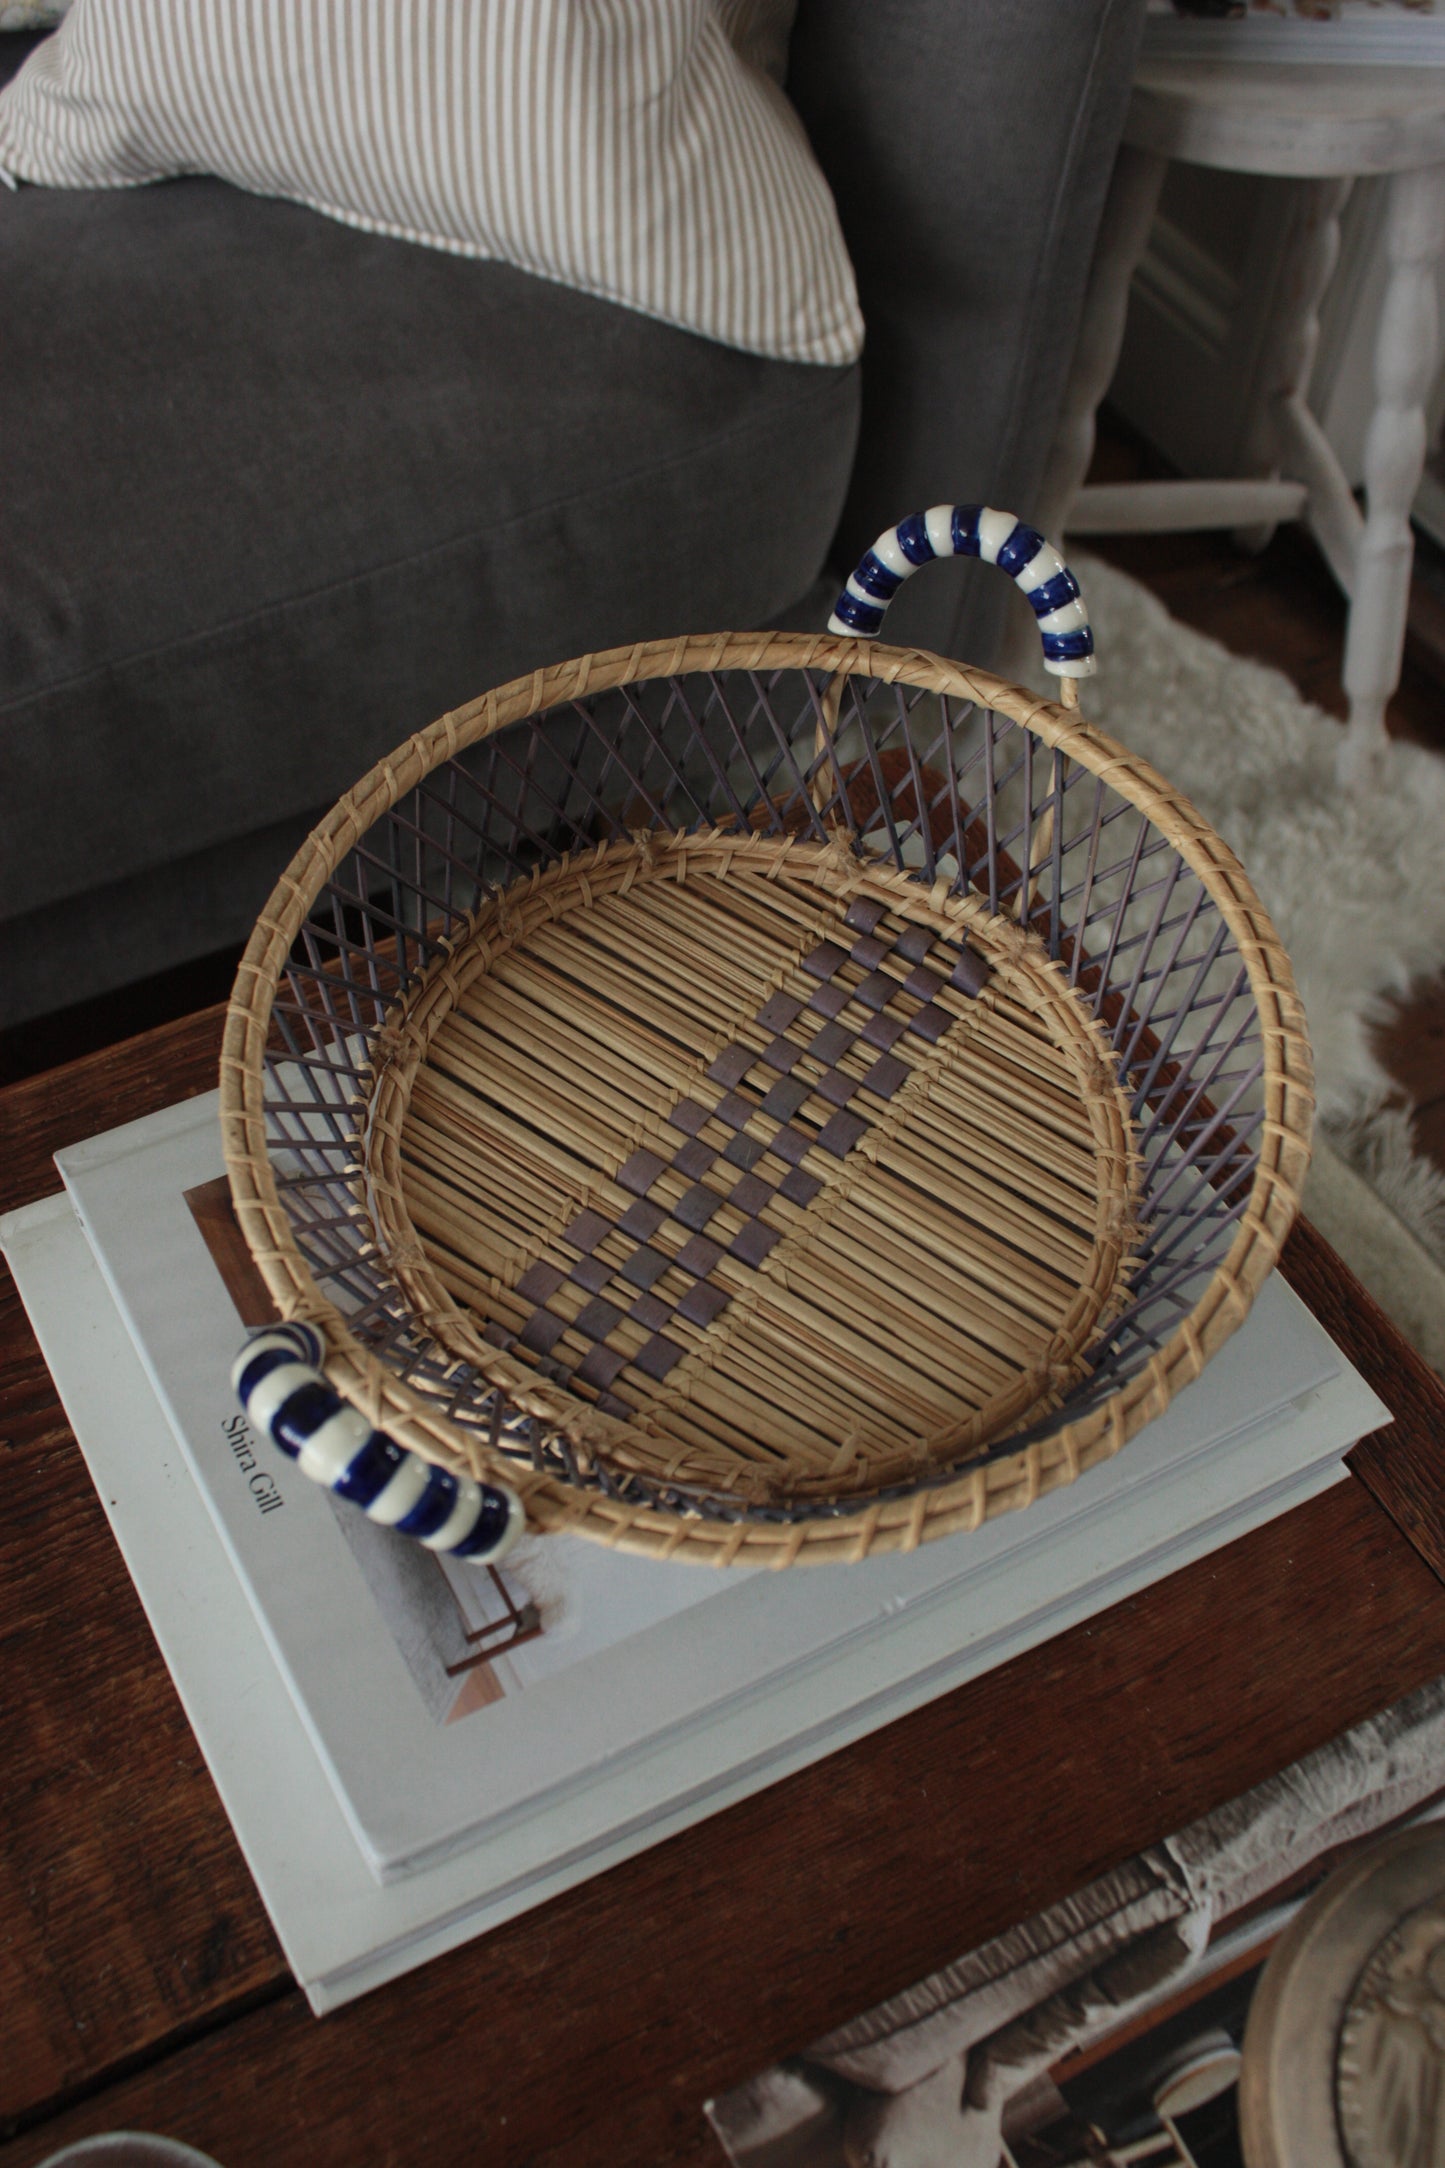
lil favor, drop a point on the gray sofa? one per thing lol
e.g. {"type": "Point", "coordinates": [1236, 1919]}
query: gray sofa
{"type": "Point", "coordinates": [276, 493]}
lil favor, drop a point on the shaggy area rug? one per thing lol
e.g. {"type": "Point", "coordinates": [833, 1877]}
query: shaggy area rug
{"type": "Point", "coordinates": [1355, 884]}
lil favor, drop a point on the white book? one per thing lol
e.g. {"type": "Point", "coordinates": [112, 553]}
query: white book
{"type": "Point", "coordinates": [379, 1833]}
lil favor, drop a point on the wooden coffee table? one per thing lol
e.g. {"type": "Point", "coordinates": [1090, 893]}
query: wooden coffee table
{"type": "Point", "coordinates": [141, 1986]}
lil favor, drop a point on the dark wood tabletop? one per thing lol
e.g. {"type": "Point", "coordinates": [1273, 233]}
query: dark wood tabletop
{"type": "Point", "coordinates": [141, 1986]}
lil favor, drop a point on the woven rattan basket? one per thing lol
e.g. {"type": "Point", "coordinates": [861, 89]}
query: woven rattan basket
{"type": "Point", "coordinates": [759, 1098]}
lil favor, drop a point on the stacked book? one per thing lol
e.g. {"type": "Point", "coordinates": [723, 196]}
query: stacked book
{"type": "Point", "coordinates": [413, 1750]}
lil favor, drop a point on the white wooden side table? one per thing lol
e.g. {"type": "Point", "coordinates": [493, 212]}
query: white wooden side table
{"type": "Point", "coordinates": [1323, 127]}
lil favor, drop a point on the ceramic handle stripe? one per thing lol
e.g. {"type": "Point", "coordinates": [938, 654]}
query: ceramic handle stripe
{"type": "Point", "coordinates": [973, 530]}
{"type": "Point", "coordinates": [278, 1379]}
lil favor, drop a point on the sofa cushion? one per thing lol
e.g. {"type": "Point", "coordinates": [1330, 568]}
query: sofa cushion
{"type": "Point", "coordinates": [278, 492]}
{"type": "Point", "coordinates": [627, 151]}
{"type": "Point", "coordinates": [968, 145]}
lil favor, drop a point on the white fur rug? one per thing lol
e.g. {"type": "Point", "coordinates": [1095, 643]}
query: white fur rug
{"type": "Point", "coordinates": [1355, 884]}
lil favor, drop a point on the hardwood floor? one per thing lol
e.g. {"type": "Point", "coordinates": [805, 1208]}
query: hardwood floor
{"type": "Point", "coordinates": [1283, 607]}
{"type": "Point", "coordinates": [1412, 1048]}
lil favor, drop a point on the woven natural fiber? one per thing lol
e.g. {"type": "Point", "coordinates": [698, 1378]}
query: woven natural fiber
{"type": "Point", "coordinates": [770, 1099]}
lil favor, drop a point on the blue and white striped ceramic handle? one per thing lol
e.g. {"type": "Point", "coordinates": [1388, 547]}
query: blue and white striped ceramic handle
{"type": "Point", "coordinates": [278, 1379]}
{"type": "Point", "coordinates": [973, 530]}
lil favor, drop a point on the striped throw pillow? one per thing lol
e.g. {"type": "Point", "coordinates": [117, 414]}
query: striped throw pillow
{"type": "Point", "coordinates": [633, 148]}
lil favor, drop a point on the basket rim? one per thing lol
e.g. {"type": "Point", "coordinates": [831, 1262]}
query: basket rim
{"type": "Point", "coordinates": [951, 1501]}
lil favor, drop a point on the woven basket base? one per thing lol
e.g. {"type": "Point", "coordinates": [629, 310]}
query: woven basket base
{"type": "Point", "coordinates": [694, 1149]}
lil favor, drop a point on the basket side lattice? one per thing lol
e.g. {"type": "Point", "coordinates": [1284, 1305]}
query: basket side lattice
{"type": "Point", "coordinates": [949, 781]}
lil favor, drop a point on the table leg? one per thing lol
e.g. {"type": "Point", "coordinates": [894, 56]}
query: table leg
{"type": "Point", "coordinates": [1123, 234]}
{"type": "Point", "coordinates": [1294, 327]}
{"type": "Point", "coordinates": [1395, 446]}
